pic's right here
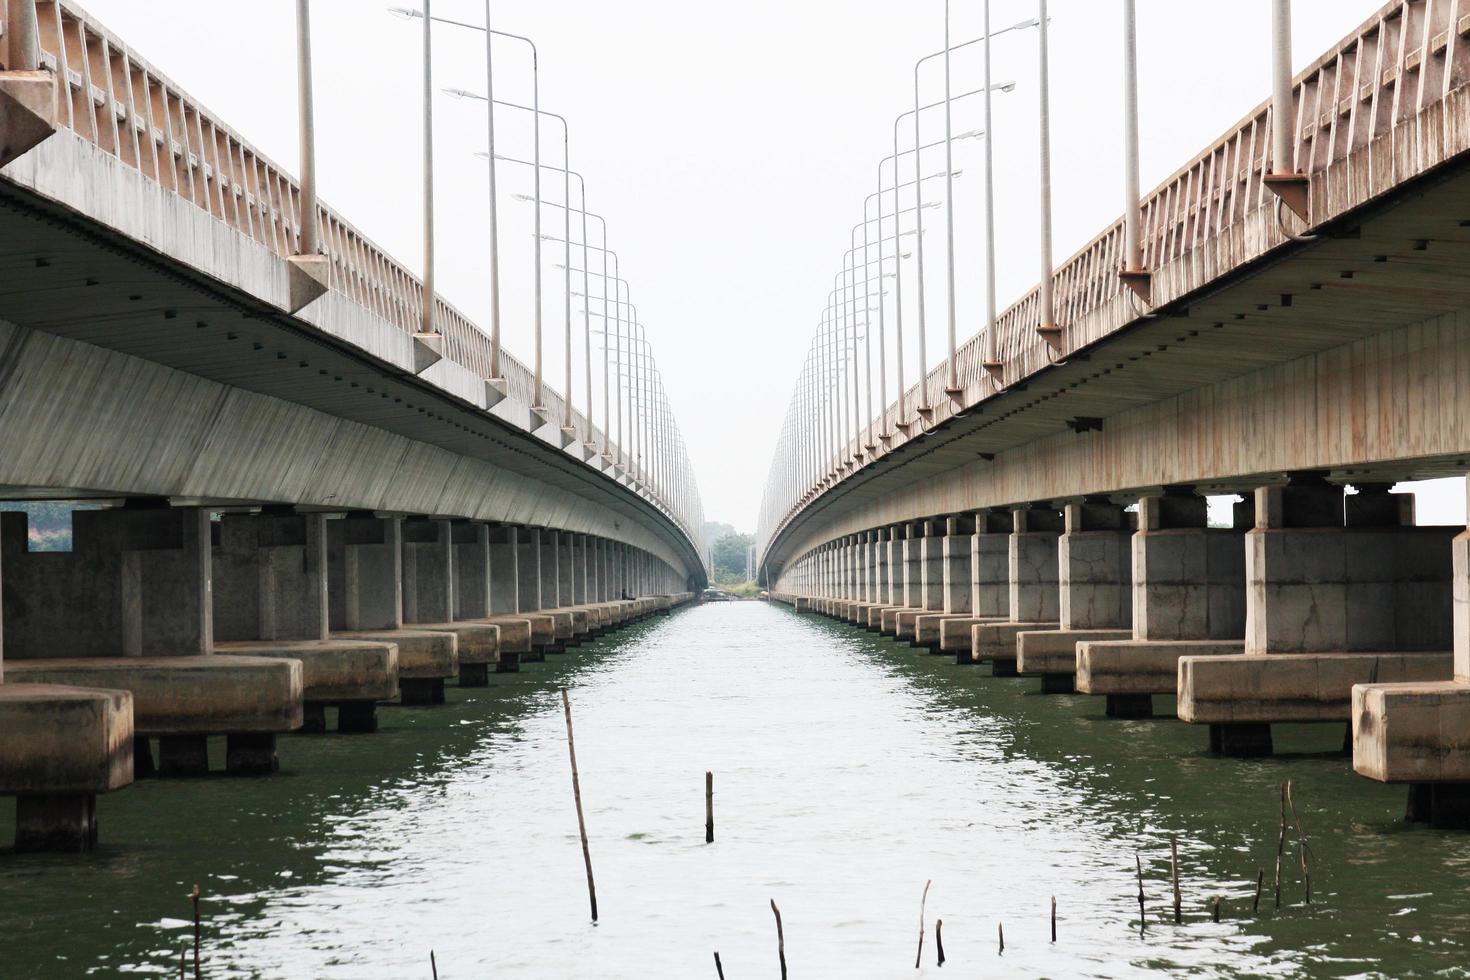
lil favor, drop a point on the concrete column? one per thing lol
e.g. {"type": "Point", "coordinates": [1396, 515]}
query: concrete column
{"type": "Point", "coordinates": [470, 542]}
{"type": "Point", "coordinates": [136, 583]}
{"type": "Point", "coordinates": [1094, 558]}
{"type": "Point", "coordinates": [931, 566]}
{"type": "Point", "coordinates": [1188, 598]}
{"type": "Point", "coordinates": [365, 572]}
{"type": "Point", "coordinates": [1337, 593]}
{"type": "Point", "coordinates": [585, 574]}
{"type": "Point", "coordinates": [428, 571]}
{"type": "Point", "coordinates": [913, 593]}
{"type": "Point", "coordinates": [270, 576]}
{"type": "Point", "coordinates": [1034, 569]}
{"type": "Point", "coordinates": [528, 569]}
{"type": "Point", "coordinates": [504, 574]}
{"type": "Point", "coordinates": [881, 586]}
{"type": "Point", "coordinates": [957, 582]}
{"type": "Point", "coordinates": [551, 568]}
{"type": "Point", "coordinates": [566, 569]}
{"type": "Point", "coordinates": [990, 564]}
{"type": "Point", "coordinates": [894, 563]}
{"type": "Point", "coordinates": [1033, 585]}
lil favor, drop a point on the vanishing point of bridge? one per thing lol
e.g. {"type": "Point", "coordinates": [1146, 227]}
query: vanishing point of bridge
{"type": "Point", "coordinates": [311, 486]}
{"type": "Point", "coordinates": [1283, 322]}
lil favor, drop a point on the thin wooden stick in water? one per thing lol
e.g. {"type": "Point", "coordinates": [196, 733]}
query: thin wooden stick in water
{"type": "Point", "coordinates": [709, 808]}
{"type": "Point", "coordinates": [183, 962]}
{"type": "Point", "coordinates": [924, 898]}
{"type": "Point", "coordinates": [433, 965]}
{"type": "Point", "coordinates": [780, 938]}
{"type": "Point", "coordinates": [1000, 929]}
{"type": "Point", "coordinates": [1260, 880]}
{"type": "Point", "coordinates": [1138, 863]}
{"type": "Point", "coordinates": [1174, 874]}
{"type": "Point", "coordinates": [1304, 850]}
{"type": "Point", "coordinates": [194, 900]}
{"type": "Point", "coordinates": [719, 969]}
{"type": "Point", "coordinates": [939, 939]}
{"type": "Point", "coordinates": [1280, 846]}
{"type": "Point", "coordinates": [1215, 909]}
{"type": "Point", "coordinates": [566, 705]}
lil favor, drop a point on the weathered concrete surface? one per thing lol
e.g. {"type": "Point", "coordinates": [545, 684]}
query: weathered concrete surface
{"type": "Point", "coordinates": [204, 695]}
{"type": "Point", "coordinates": [64, 740]}
{"type": "Point", "coordinates": [1055, 651]}
{"type": "Point", "coordinates": [1412, 733]}
{"type": "Point", "coordinates": [474, 643]}
{"type": "Point", "coordinates": [1121, 667]}
{"type": "Point", "coordinates": [1292, 687]}
{"type": "Point", "coordinates": [422, 653]}
{"type": "Point", "coordinates": [331, 670]}
{"type": "Point", "coordinates": [957, 635]}
{"type": "Point", "coordinates": [995, 642]}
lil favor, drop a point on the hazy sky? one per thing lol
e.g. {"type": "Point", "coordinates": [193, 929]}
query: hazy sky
{"type": "Point", "coordinates": [729, 146]}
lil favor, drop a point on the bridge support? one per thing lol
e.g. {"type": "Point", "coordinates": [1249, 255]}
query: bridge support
{"type": "Point", "coordinates": [270, 600]}
{"type": "Point", "coordinates": [431, 561]}
{"type": "Point", "coordinates": [1033, 587]}
{"type": "Point", "coordinates": [955, 583]}
{"type": "Point", "coordinates": [1094, 597]}
{"type": "Point", "coordinates": [1419, 733]}
{"type": "Point", "coordinates": [365, 602]}
{"type": "Point", "coordinates": [1328, 605]}
{"type": "Point", "coordinates": [1188, 597]}
{"type": "Point", "coordinates": [990, 576]}
{"type": "Point", "coordinates": [129, 609]}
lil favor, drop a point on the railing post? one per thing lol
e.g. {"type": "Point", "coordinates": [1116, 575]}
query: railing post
{"type": "Point", "coordinates": [428, 346]}
{"type": "Point", "coordinates": [22, 36]}
{"type": "Point", "coordinates": [27, 92]}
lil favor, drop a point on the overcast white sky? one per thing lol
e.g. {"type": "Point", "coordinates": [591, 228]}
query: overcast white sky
{"type": "Point", "coordinates": [729, 146]}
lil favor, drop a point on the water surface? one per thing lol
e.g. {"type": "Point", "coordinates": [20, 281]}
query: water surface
{"type": "Point", "coordinates": [849, 770]}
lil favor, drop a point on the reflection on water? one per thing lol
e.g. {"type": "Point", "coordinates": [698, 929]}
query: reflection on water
{"type": "Point", "coordinates": [848, 771]}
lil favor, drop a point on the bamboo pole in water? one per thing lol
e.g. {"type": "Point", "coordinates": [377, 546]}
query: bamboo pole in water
{"type": "Point", "coordinates": [194, 900]}
{"type": "Point", "coordinates": [1138, 864]}
{"type": "Point", "coordinates": [924, 898]}
{"type": "Point", "coordinates": [719, 968]}
{"type": "Point", "coordinates": [780, 938]}
{"type": "Point", "coordinates": [1174, 873]}
{"type": "Point", "coordinates": [1053, 918]}
{"type": "Point", "coordinates": [1280, 845]}
{"type": "Point", "coordinates": [566, 705]}
{"type": "Point", "coordinates": [939, 939]}
{"type": "Point", "coordinates": [709, 808]}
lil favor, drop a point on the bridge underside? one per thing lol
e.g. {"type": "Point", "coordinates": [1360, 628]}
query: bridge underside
{"type": "Point", "coordinates": [123, 374]}
{"type": "Point", "coordinates": [1349, 353]}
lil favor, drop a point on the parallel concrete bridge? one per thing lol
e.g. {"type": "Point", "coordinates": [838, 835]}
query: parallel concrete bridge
{"type": "Point", "coordinates": [1286, 319]}
{"type": "Point", "coordinates": [310, 494]}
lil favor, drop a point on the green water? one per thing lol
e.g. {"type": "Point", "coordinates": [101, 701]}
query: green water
{"type": "Point", "coordinates": [848, 771]}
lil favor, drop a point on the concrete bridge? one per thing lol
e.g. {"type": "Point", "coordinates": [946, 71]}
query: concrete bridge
{"type": "Point", "coordinates": [307, 493]}
{"type": "Point", "coordinates": [1285, 320]}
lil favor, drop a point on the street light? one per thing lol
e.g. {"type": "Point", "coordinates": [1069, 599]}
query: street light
{"type": "Point", "coordinates": [408, 13]}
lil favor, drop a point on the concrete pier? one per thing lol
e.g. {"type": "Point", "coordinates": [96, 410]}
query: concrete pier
{"type": "Point", "coordinates": [1338, 593]}
{"type": "Point", "coordinates": [270, 600]}
{"type": "Point", "coordinates": [1188, 597]}
{"type": "Point", "coordinates": [431, 561]}
{"type": "Point", "coordinates": [129, 608]}
{"type": "Point", "coordinates": [1032, 588]}
{"type": "Point", "coordinates": [1094, 593]}
{"type": "Point", "coordinates": [365, 602]}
